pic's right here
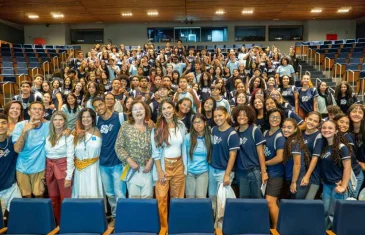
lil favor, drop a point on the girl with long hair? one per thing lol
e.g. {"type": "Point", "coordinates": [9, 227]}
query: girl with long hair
{"type": "Point", "coordinates": [356, 114]}
{"type": "Point", "coordinates": [78, 91]}
{"type": "Point", "coordinates": [48, 107]}
{"type": "Point", "coordinates": [274, 153]}
{"type": "Point", "coordinates": [314, 142]}
{"type": "Point", "coordinates": [133, 148]}
{"type": "Point", "coordinates": [71, 109]}
{"type": "Point", "coordinates": [185, 112]}
{"type": "Point", "coordinates": [288, 91]}
{"type": "Point", "coordinates": [87, 145]}
{"type": "Point", "coordinates": [250, 162]}
{"type": "Point", "coordinates": [208, 107]}
{"type": "Point", "coordinates": [335, 165]}
{"type": "Point", "coordinates": [56, 94]}
{"type": "Point", "coordinates": [281, 101]}
{"type": "Point", "coordinates": [220, 101]}
{"type": "Point", "coordinates": [258, 105]}
{"type": "Point", "coordinates": [93, 91]}
{"type": "Point", "coordinates": [198, 144]}
{"type": "Point", "coordinates": [59, 162]}
{"type": "Point", "coordinates": [67, 86]}
{"type": "Point", "coordinates": [204, 86]}
{"type": "Point", "coordinates": [170, 158]}
{"type": "Point", "coordinates": [14, 111]}
{"type": "Point", "coordinates": [295, 159]}
{"type": "Point", "coordinates": [344, 96]}
{"type": "Point", "coordinates": [343, 122]}
{"type": "Point", "coordinates": [307, 97]}
{"type": "Point", "coordinates": [325, 98]}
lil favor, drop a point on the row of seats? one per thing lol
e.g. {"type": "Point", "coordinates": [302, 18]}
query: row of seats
{"type": "Point", "coordinates": [40, 46]}
{"type": "Point", "coordinates": [186, 216]}
{"type": "Point", "coordinates": [330, 42]}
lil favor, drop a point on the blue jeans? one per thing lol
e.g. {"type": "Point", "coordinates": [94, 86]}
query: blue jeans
{"type": "Point", "coordinates": [360, 181]}
{"type": "Point", "coordinates": [301, 190]}
{"type": "Point", "coordinates": [114, 187]}
{"type": "Point", "coordinates": [249, 183]}
{"type": "Point", "coordinates": [329, 197]}
{"type": "Point", "coordinates": [216, 178]}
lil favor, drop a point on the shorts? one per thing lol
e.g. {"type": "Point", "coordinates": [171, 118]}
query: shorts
{"type": "Point", "coordinates": [7, 195]}
{"type": "Point", "coordinates": [31, 183]}
{"type": "Point", "coordinates": [274, 187]}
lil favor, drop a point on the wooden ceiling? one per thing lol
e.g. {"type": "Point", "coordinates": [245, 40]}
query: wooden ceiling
{"type": "Point", "coordinates": [109, 11]}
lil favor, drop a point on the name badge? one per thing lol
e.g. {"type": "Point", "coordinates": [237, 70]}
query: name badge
{"type": "Point", "coordinates": [93, 138]}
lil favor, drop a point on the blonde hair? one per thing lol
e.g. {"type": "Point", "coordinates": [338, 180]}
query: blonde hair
{"type": "Point", "coordinates": [52, 130]}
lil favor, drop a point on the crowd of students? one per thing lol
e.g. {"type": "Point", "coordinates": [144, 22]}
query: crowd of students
{"type": "Point", "coordinates": [180, 123]}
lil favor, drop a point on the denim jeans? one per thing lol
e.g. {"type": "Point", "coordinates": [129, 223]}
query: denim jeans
{"type": "Point", "coordinates": [196, 185]}
{"type": "Point", "coordinates": [301, 190]}
{"type": "Point", "coordinates": [216, 178]}
{"type": "Point", "coordinates": [329, 197]}
{"type": "Point", "coordinates": [249, 183]}
{"type": "Point", "coordinates": [360, 180]}
{"type": "Point", "coordinates": [114, 187]}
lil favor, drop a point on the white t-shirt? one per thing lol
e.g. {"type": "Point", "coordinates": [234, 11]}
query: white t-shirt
{"type": "Point", "coordinates": [176, 141]}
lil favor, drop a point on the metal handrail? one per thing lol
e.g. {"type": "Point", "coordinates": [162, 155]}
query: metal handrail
{"type": "Point", "coordinates": [302, 51]}
{"type": "Point", "coordinates": [309, 55]}
{"type": "Point", "coordinates": [315, 60]}
{"type": "Point", "coordinates": [44, 68]}
{"type": "Point", "coordinates": [353, 78]}
{"type": "Point", "coordinates": [300, 71]}
{"type": "Point", "coordinates": [338, 64]}
{"type": "Point", "coordinates": [54, 64]}
{"type": "Point", "coordinates": [32, 72]}
{"type": "Point", "coordinates": [308, 73]}
{"type": "Point", "coordinates": [3, 90]}
{"type": "Point", "coordinates": [325, 64]}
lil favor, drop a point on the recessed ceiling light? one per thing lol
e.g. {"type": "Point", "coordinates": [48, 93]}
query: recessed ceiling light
{"type": "Point", "coordinates": [275, 19]}
{"type": "Point", "coordinates": [31, 16]}
{"type": "Point", "coordinates": [316, 10]}
{"type": "Point", "coordinates": [344, 10]}
{"type": "Point", "coordinates": [127, 14]}
{"type": "Point", "coordinates": [152, 13]}
{"type": "Point", "coordinates": [247, 11]}
{"type": "Point", "coordinates": [220, 12]}
{"type": "Point", "coordinates": [57, 15]}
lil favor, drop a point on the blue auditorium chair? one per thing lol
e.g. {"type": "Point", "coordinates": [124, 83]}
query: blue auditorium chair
{"type": "Point", "coordinates": [348, 50]}
{"type": "Point", "coordinates": [7, 58]}
{"type": "Point", "coordinates": [349, 217]}
{"type": "Point", "coordinates": [348, 45]}
{"type": "Point", "coordinates": [143, 217]}
{"type": "Point", "coordinates": [49, 47]}
{"type": "Point", "coordinates": [5, 53]}
{"type": "Point", "coordinates": [362, 44]}
{"type": "Point", "coordinates": [352, 67]}
{"type": "Point", "coordinates": [9, 78]}
{"type": "Point", "coordinates": [246, 216]}
{"type": "Point", "coordinates": [358, 54]}
{"type": "Point", "coordinates": [359, 40]}
{"type": "Point", "coordinates": [341, 61]}
{"type": "Point", "coordinates": [22, 65]}
{"type": "Point", "coordinates": [38, 46]}
{"type": "Point", "coordinates": [22, 71]}
{"type": "Point", "coordinates": [358, 49]}
{"type": "Point", "coordinates": [301, 217]}
{"type": "Point", "coordinates": [17, 45]}
{"type": "Point", "coordinates": [339, 41]}
{"type": "Point", "coordinates": [336, 46]}
{"type": "Point", "coordinates": [191, 216]}
{"type": "Point", "coordinates": [84, 217]}
{"type": "Point", "coordinates": [34, 65]}
{"type": "Point", "coordinates": [31, 216]}
{"type": "Point", "coordinates": [350, 41]}
{"type": "Point", "coordinates": [7, 64]}
{"type": "Point", "coordinates": [332, 50]}
{"type": "Point", "coordinates": [17, 54]}
{"type": "Point", "coordinates": [355, 61]}
{"type": "Point", "coordinates": [7, 71]}
{"type": "Point", "coordinates": [20, 59]}
{"type": "Point", "coordinates": [200, 47]}
{"type": "Point", "coordinates": [343, 55]}
{"type": "Point", "coordinates": [32, 59]}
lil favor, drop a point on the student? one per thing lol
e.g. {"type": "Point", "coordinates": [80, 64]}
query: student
{"type": "Point", "coordinates": [208, 107]}
{"type": "Point", "coordinates": [71, 109]}
{"type": "Point", "coordinates": [8, 186]}
{"type": "Point", "coordinates": [325, 98]}
{"type": "Point", "coordinates": [184, 112]}
{"type": "Point", "coordinates": [204, 86]}
{"type": "Point", "coordinates": [356, 114]}
{"type": "Point", "coordinates": [60, 162]}
{"type": "Point", "coordinates": [274, 149]}
{"type": "Point", "coordinates": [335, 165]}
{"type": "Point", "coordinates": [314, 142]}
{"type": "Point", "coordinates": [333, 110]}
{"type": "Point", "coordinates": [307, 97]}
{"type": "Point", "coordinates": [344, 96]}
{"type": "Point", "coordinates": [27, 97]}
{"type": "Point", "coordinates": [56, 94]}
{"type": "Point", "coordinates": [296, 157]}
{"type": "Point", "coordinates": [133, 148]}
{"type": "Point", "coordinates": [48, 107]}
{"type": "Point", "coordinates": [170, 160]}
{"type": "Point", "coordinates": [91, 93]}
{"type": "Point", "coordinates": [29, 140]}
{"type": "Point", "coordinates": [343, 122]}
{"type": "Point", "coordinates": [14, 111]}
{"type": "Point", "coordinates": [220, 101]}
{"type": "Point", "coordinates": [288, 91]}
{"type": "Point", "coordinates": [225, 147]}
{"type": "Point", "coordinates": [183, 91]}
{"type": "Point", "coordinates": [198, 144]}
{"type": "Point", "coordinates": [250, 162]}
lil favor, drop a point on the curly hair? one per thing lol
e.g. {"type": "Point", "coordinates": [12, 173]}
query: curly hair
{"type": "Point", "coordinates": [248, 110]}
{"type": "Point", "coordinates": [338, 92]}
{"type": "Point", "coordinates": [339, 138]}
{"type": "Point", "coordinates": [251, 84]}
{"type": "Point", "coordinates": [295, 138]}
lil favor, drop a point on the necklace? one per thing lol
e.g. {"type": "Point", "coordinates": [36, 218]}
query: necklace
{"type": "Point", "coordinates": [85, 142]}
{"type": "Point", "coordinates": [6, 146]}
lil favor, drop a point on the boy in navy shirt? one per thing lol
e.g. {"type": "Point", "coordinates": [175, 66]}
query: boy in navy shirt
{"type": "Point", "coordinates": [8, 186]}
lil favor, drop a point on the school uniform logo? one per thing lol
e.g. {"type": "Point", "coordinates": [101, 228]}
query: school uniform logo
{"type": "Point", "coordinates": [217, 139]}
{"type": "Point", "coordinates": [326, 155]}
{"type": "Point", "coordinates": [343, 102]}
{"type": "Point", "coordinates": [267, 151]}
{"type": "Point", "coordinates": [243, 140]}
{"type": "Point", "coordinates": [305, 98]}
{"type": "Point", "coordinates": [4, 153]}
{"type": "Point", "coordinates": [104, 129]}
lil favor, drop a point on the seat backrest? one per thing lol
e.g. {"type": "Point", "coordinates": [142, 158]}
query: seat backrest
{"type": "Point", "coordinates": [350, 40]}
{"type": "Point", "coordinates": [349, 217]}
{"type": "Point", "coordinates": [7, 64]}
{"type": "Point", "coordinates": [7, 58]}
{"type": "Point", "coordinates": [339, 41]}
{"type": "Point", "coordinates": [336, 46]}
{"type": "Point", "coordinates": [346, 50]}
{"type": "Point", "coordinates": [83, 216]}
{"type": "Point", "coordinates": [343, 55]}
{"type": "Point", "coordinates": [8, 71]}
{"type": "Point", "coordinates": [31, 216]}
{"type": "Point", "coordinates": [355, 61]}
{"type": "Point", "coordinates": [352, 67]}
{"type": "Point", "coordinates": [358, 54]}
{"type": "Point", "coordinates": [348, 45]}
{"type": "Point", "coordinates": [301, 217]}
{"type": "Point", "coordinates": [341, 60]}
{"type": "Point", "coordinates": [246, 216]}
{"type": "Point", "coordinates": [142, 215]}
{"type": "Point", "coordinates": [190, 216]}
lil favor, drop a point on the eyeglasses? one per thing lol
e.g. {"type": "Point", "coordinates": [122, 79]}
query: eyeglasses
{"type": "Point", "coordinates": [198, 122]}
{"type": "Point", "coordinates": [36, 109]}
{"type": "Point", "coordinates": [137, 110]}
{"type": "Point", "coordinates": [275, 117]}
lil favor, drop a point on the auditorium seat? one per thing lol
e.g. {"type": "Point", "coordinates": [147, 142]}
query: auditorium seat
{"type": "Point", "coordinates": [341, 61]}
{"type": "Point", "coordinates": [147, 222]}
{"type": "Point", "coordinates": [358, 49]}
{"type": "Point", "coordinates": [348, 50]}
{"type": "Point", "coordinates": [34, 65]}
{"type": "Point", "coordinates": [359, 40]}
{"type": "Point", "coordinates": [38, 46]}
{"type": "Point", "coordinates": [349, 217]}
{"type": "Point", "coordinates": [7, 71]}
{"type": "Point", "coordinates": [83, 216]}
{"type": "Point", "coordinates": [49, 47]}
{"type": "Point", "coordinates": [16, 54]}
{"type": "Point", "coordinates": [18, 49]}
{"type": "Point", "coordinates": [31, 216]}
{"type": "Point", "coordinates": [348, 45]}
{"type": "Point", "coordinates": [343, 55]}
{"type": "Point", "coordinates": [7, 64]}
{"type": "Point", "coordinates": [22, 71]}
{"type": "Point", "coordinates": [339, 41]}
{"type": "Point", "coordinates": [17, 45]}
{"type": "Point", "coordinates": [191, 216]}
{"type": "Point", "coordinates": [358, 54]}
{"type": "Point", "coordinates": [246, 216]}
{"type": "Point", "coordinates": [336, 46]}
{"type": "Point", "coordinates": [356, 60]}
{"type": "Point", "coordinates": [22, 65]}
{"type": "Point", "coordinates": [301, 217]}
{"type": "Point", "coordinates": [7, 58]}
{"type": "Point", "coordinates": [350, 41]}
{"type": "Point", "coordinates": [20, 59]}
